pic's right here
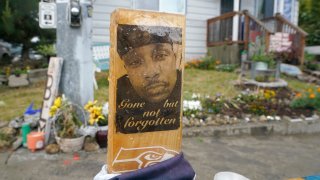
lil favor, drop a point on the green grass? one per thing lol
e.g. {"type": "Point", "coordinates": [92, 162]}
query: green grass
{"type": "Point", "coordinates": [14, 101]}
{"type": "Point", "coordinates": [208, 82]}
{"type": "Point", "coordinates": [298, 85]}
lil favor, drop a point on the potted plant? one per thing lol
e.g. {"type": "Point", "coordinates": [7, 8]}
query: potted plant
{"type": "Point", "coordinates": [67, 125]}
{"type": "Point", "coordinates": [98, 117]}
{"type": "Point", "coordinates": [263, 61]}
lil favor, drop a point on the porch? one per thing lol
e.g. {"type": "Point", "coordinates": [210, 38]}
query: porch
{"type": "Point", "coordinates": [231, 33]}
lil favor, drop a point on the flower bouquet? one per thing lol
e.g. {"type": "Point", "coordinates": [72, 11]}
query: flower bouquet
{"type": "Point", "coordinates": [98, 117]}
{"type": "Point", "coordinates": [67, 125]}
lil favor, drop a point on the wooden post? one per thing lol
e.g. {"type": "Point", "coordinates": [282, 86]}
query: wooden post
{"type": "Point", "coordinates": [279, 23]}
{"type": "Point", "coordinates": [267, 41]}
{"type": "Point", "coordinates": [50, 93]}
{"type": "Point", "coordinates": [302, 45]}
{"type": "Point", "coordinates": [247, 31]}
{"type": "Point", "coordinates": [146, 67]}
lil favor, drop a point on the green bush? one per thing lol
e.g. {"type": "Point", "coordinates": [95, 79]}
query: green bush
{"type": "Point", "coordinates": [46, 49]}
{"type": "Point", "coordinates": [213, 105]}
{"type": "Point", "coordinates": [310, 62]}
{"type": "Point", "coordinates": [307, 100]}
{"type": "Point", "coordinates": [207, 62]}
{"type": "Point", "coordinates": [266, 58]}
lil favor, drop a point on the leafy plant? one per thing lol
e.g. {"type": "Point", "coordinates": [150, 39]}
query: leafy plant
{"type": "Point", "coordinates": [310, 61]}
{"type": "Point", "coordinates": [258, 108]}
{"type": "Point", "coordinates": [266, 58]}
{"type": "Point", "coordinates": [309, 100]}
{"type": "Point", "coordinates": [18, 72]}
{"type": "Point", "coordinates": [207, 62]}
{"type": "Point", "coordinates": [46, 49]}
{"type": "Point", "coordinates": [67, 123]}
{"type": "Point", "coordinates": [213, 105]}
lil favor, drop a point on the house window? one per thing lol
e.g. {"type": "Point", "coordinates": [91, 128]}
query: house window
{"type": "Point", "coordinates": [265, 8]}
{"type": "Point", "coordinates": [171, 6]}
{"type": "Point", "coordinates": [226, 6]}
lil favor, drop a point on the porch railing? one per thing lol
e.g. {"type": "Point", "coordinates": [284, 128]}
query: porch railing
{"type": "Point", "coordinates": [251, 31]}
{"type": "Point", "coordinates": [296, 35]}
{"type": "Point", "coordinates": [220, 29]}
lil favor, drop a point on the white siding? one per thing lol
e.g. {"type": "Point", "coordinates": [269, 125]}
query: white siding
{"type": "Point", "coordinates": [102, 10]}
{"type": "Point", "coordinates": [198, 12]}
{"type": "Point", "coordinates": [248, 5]}
{"type": "Point", "coordinates": [295, 14]}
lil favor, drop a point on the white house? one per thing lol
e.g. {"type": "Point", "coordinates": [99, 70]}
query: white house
{"type": "Point", "coordinates": [197, 13]}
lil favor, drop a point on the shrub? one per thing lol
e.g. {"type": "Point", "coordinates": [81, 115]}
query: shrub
{"type": "Point", "coordinates": [207, 62]}
{"type": "Point", "coordinates": [310, 62]}
{"type": "Point", "coordinates": [213, 105]}
{"type": "Point", "coordinates": [309, 100]}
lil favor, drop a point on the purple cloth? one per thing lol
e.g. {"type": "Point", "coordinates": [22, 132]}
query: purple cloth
{"type": "Point", "coordinates": [172, 169]}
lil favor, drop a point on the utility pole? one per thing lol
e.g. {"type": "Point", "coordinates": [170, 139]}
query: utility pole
{"type": "Point", "coordinates": [74, 32]}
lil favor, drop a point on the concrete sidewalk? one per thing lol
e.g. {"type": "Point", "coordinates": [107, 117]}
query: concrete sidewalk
{"type": "Point", "coordinates": [258, 158]}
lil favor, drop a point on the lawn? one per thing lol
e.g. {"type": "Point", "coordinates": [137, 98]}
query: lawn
{"type": "Point", "coordinates": [14, 101]}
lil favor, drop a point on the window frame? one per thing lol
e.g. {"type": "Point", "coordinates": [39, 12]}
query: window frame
{"type": "Point", "coordinates": [184, 11]}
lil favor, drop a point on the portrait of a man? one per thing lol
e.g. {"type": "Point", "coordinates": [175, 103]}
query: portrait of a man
{"type": "Point", "coordinates": [153, 80]}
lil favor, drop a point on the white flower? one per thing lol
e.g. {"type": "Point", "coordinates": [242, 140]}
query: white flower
{"type": "Point", "coordinates": [192, 105]}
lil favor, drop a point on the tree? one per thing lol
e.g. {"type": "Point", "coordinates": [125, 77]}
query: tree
{"type": "Point", "coordinates": [309, 20]}
{"type": "Point", "coordinates": [19, 23]}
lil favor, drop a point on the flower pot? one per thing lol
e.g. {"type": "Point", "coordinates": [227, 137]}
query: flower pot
{"type": "Point", "coordinates": [102, 136]}
{"type": "Point", "coordinates": [70, 144]}
{"type": "Point", "coordinates": [35, 140]}
{"type": "Point", "coordinates": [261, 66]}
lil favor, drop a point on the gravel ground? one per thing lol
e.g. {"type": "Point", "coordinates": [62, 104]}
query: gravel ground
{"type": "Point", "coordinates": [258, 158]}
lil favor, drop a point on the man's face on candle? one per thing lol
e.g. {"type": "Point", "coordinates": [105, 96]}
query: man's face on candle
{"type": "Point", "coordinates": [152, 70]}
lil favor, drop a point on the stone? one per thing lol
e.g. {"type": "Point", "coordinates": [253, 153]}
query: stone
{"type": "Point", "coordinates": [197, 122]}
{"type": "Point", "coordinates": [90, 144]}
{"type": "Point", "coordinates": [316, 116]}
{"type": "Point", "coordinates": [296, 120]}
{"type": "Point", "coordinates": [18, 81]}
{"type": "Point", "coordinates": [286, 101]}
{"type": "Point", "coordinates": [254, 119]}
{"type": "Point", "coordinates": [3, 123]}
{"type": "Point", "coordinates": [212, 123]}
{"type": "Point", "coordinates": [202, 123]}
{"type": "Point", "coordinates": [209, 118]}
{"type": "Point", "coordinates": [312, 118]}
{"type": "Point", "coordinates": [263, 118]}
{"type": "Point", "coordinates": [277, 118]}
{"type": "Point", "coordinates": [247, 119]}
{"type": "Point", "coordinates": [4, 145]}
{"type": "Point", "coordinates": [270, 118]}
{"type": "Point", "coordinates": [286, 118]}
{"type": "Point", "coordinates": [8, 131]}
{"type": "Point", "coordinates": [185, 121]}
{"type": "Point", "coordinates": [52, 149]}
{"type": "Point", "coordinates": [290, 70]}
{"type": "Point", "coordinates": [16, 123]}
{"type": "Point", "coordinates": [235, 120]}
{"type": "Point", "coordinates": [16, 144]}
